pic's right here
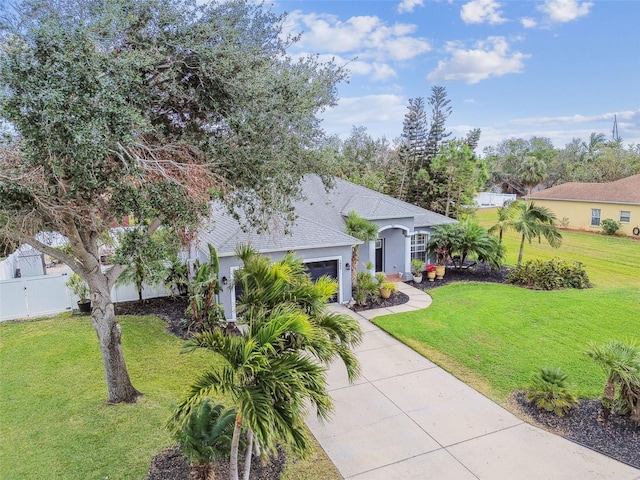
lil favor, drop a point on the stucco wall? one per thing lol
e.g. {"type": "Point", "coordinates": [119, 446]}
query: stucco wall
{"type": "Point", "coordinates": [343, 254]}
{"type": "Point", "coordinates": [579, 214]}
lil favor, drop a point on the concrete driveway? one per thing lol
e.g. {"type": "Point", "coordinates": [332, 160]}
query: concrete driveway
{"type": "Point", "coordinates": [406, 418]}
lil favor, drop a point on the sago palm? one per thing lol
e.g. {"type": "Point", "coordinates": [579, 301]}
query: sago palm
{"type": "Point", "coordinates": [548, 390]}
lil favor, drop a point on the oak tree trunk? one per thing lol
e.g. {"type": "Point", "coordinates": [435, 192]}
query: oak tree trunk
{"type": "Point", "coordinates": [103, 318]}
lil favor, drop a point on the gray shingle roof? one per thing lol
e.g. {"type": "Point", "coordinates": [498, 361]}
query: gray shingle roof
{"type": "Point", "coordinates": [626, 190]}
{"type": "Point", "coordinates": [320, 219]}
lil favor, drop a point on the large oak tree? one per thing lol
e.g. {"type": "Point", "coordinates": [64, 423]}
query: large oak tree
{"type": "Point", "coordinates": [148, 107]}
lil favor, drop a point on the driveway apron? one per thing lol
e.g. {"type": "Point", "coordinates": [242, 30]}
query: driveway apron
{"type": "Point", "coordinates": [406, 418]}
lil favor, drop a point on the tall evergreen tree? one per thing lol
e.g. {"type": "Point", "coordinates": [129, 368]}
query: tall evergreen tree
{"type": "Point", "coordinates": [412, 150]}
{"type": "Point", "coordinates": [440, 111]}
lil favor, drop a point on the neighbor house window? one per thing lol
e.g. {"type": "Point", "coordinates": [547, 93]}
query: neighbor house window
{"type": "Point", "coordinates": [625, 216]}
{"type": "Point", "coordinates": [595, 217]}
{"type": "Point", "coordinates": [419, 246]}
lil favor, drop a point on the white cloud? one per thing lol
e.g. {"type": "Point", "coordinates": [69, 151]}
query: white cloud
{"type": "Point", "coordinates": [381, 114]}
{"type": "Point", "coordinates": [488, 58]}
{"type": "Point", "coordinates": [367, 37]}
{"type": "Point", "coordinates": [563, 11]}
{"type": "Point", "coordinates": [482, 11]}
{"type": "Point", "coordinates": [377, 71]}
{"type": "Point", "coordinates": [407, 6]}
{"type": "Point", "coordinates": [528, 22]}
{"type": "Point", "coordinates": [577, 118]}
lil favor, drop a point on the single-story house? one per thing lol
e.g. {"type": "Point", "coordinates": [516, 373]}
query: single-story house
{"type": "Point", "coordinates": [318, 236]}
{"type": "Point", "coordinates": [583, 206]}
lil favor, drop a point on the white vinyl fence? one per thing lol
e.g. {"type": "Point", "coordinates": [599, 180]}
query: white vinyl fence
{"type": "Point", "coordinates": [490, 199]}
{"type": "Point", "coordinates": [30, 297]}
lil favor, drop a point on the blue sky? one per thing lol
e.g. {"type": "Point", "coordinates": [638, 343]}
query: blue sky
{"type": "Point", "coordinates": [553, 68]}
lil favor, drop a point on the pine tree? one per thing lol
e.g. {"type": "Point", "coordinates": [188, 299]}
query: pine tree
{"type": "Point", "coordinates": [412, 150]}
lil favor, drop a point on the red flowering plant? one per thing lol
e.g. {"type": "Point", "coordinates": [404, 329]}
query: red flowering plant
{"type": "Point", "coordinates": [431, 268]}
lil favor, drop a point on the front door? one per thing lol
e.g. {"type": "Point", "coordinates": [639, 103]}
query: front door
{"type": "Point", "coordinates": [380, 255]}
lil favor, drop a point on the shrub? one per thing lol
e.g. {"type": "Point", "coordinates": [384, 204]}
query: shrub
{"type": "Point", "coordinates": [417, 267]}
{"type": "Point", "coordinates": [391, 286]}
{"type": "Point", "coordinates": [366, 288]}
{"type": "Point", "coordinates": [621, 362]}
{"type": "Point", "coordinates": [610, 226]}
{"type": "Point", "coordinates": [549, 391]}
{"type": "Point", "coordinates": [550, 275]}
{"type": "Point", "coordinates": [205, 436]}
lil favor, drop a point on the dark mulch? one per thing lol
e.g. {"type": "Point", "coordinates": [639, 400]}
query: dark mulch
{"type": "Point", "coordinates": [397, 298]}
{"type": "Point", "coordinates": [473, 273]}
{"type": "Point", "coordinates": [171, 464]}
{"type": "Point", "coordinates": [171, 310]}
{"type": "Point", "coordinates": [619, 438]}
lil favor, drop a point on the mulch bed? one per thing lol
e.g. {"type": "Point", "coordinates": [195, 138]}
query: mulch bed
{"type": "Point", "coordinates": [397, 298]}
{"type": "Point", "coordinates": [619, 438]}
{"type": "Point", "coordinates": [474, 273]}
{"type": "Point", "coordinates": [171, 464]}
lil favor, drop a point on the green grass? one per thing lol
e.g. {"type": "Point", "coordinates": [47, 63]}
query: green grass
{"type": "Point", "coordinates": [609, 261]}
{"type": "Point", "coordinates": [495, 336]}
{"type": "Point", "coordinates": [54, 422]}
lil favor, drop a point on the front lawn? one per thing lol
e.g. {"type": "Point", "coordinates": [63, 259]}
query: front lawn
{"type": "Point", "coordinates": [54, 422]}
{"type": "Point", "coordinates": [494, 336]}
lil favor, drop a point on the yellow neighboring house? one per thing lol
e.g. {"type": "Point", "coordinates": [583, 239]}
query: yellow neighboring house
{"type": "Point", "coordinates": [583, 206]}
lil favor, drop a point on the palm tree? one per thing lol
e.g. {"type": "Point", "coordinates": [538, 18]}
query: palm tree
{"type": "Point", "coordinates": [277, 366]}
{"type": "Point", "coordinates": [505, 217]}
{"type": "Point", "coordinates": [535, 221]}
{"type": "Point", "coordinates": [621, 362]}
{"type": "Point", "coordinates": [267, 286]}
{"type": "Point", "coordinates": [532, 171]}
{"type": "Point", "coordinates": [268, 386]}
{"type": "Point", "coordinates": [362, 229]}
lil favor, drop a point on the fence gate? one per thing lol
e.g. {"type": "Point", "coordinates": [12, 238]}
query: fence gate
{"type": "Point", "coordinates": [29, 297]}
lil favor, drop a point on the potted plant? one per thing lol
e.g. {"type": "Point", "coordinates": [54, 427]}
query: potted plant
{"type": "Point", "coordinates": [417, 267]}
{"type": "Point", "coordinates": [387, 288]}
{"type": "Point", "coordinates": [431, 272]}
{"type": "Point", "coordinates": [81, 290]}
{"type": "Point", "coordinates": [441, 259]}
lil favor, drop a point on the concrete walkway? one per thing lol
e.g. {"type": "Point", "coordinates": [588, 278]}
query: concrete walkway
{"type": "Point", "coordinates": [406, 418]}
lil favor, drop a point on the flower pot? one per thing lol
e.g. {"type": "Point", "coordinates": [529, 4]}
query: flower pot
{"type": "Point", "coordinates": [385, 293]}
{"type": "Point", "coordinates": [440, 269]}
{"type": "Point", "coordinates": [84, 307]}
{"type": "Point", "coordinates": [417, 278]}
{"type": "Point", "coordinates": [431, 276]}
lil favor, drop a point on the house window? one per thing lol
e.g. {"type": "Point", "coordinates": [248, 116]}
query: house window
{"type": "Point", "coordinates": [595, 217]}
{"type": "Point", "coordinates": [625, 216]}
{"type": "Point", "coordinates": [419, 246]}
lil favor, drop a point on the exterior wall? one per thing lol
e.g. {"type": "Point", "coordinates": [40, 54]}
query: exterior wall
{"type": "Point", "coordinates": [396, 246]}
{"type": "Point", "coordinates": [228, 265]}
{"type": "Point", "coordinates": [579, 214]}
